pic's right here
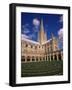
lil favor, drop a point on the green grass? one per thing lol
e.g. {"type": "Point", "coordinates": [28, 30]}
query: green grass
{"type": "Point", "coordinates": [44, 68]}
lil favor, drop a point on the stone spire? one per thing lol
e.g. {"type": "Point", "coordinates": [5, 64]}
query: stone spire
{"type": "Point", "coordinates": [41, 35]}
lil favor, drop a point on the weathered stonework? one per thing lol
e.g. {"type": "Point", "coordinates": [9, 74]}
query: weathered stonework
{"type": "Point", "coordinates": [43, 50]}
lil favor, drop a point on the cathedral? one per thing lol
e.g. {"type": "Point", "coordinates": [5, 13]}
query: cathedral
{"type": "Point", "coordinates": [42, 50]}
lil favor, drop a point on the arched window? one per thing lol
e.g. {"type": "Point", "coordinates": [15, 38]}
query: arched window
{"type": "Point", "coordinates": [39, 46]}
{"type": "Point", "coordinates": [31, 46]}
{"type": "Point", "coordinates": [26, 45]}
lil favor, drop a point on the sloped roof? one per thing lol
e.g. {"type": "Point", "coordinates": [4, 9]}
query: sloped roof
{"type": "Point", "coordinates": [26, 38]}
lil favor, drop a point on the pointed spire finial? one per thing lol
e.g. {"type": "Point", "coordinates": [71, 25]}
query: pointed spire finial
{"type": "Point", "coordinates": [42, 35]}
{"type": "Point", "coordinates": [42, 24]}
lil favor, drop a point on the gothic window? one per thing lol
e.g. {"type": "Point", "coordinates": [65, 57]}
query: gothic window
{"type": "Point", "coordinates": [26, 45]}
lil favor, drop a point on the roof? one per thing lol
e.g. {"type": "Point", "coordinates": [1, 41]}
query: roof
{"type": "Point", "coordinates": [47, 41]}
{"type": "Point", "coordinates": [27, 39]}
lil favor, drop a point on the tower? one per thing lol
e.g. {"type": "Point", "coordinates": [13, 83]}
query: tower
{"type": "Point", "coordinates": [54, 43]}
{"type": "Point", "coordinates": [42, 37]}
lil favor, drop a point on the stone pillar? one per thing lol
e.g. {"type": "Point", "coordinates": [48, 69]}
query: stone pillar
{"type": "Point", "coordinates": [47, 57]}
{"type": "Point", "coordinates": [53, 57]}
{"type": "Point", "coordinates": [35, 59]}
{"type": "Point", "coordinates": [25, 59]}
{"type": "Point", "coordinates": [30, 59]}
{"type": "Point", "coordinates": [42, 58]}
{"type": "Point", "coordinates": [50, 57]}
{"type": "Point", "coordinates": [57, 57]}
{"type": "Point", "coordinates": [38, 59]}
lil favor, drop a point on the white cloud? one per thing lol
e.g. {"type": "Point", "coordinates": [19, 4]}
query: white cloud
{"type": "Point", "coordinates": [24, 36]}
{"type": "Point", "coordinates": [32, 36]}
{"type": "Point", "coordinates": [60, 38]}
{"type": "Point", "coordinates": [36, 22]}
{"type": "Point", "coordinates": [25, 29]}
{"type": "Point", "coordinates": [26, 25]}
{"type": "Point", "coordinates": [60, 34]}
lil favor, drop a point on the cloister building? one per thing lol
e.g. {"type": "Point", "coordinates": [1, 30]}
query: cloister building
{"type": "Point", "coordinates": [42, 50]}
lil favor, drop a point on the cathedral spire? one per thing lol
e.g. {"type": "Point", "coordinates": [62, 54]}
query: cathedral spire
{"type": "Point", "coordinates": [41, 35]}
{"type": "Point", "coordinates": [42, 28]}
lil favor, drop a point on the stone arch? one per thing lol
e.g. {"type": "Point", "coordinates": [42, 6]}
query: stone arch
{"type": "Point", "coordinates": [55, 57]}
{"type": "Point", "coordinates": [40, 58]}
{"type": "Point", "coordinates": [33, 59]}
{"type": "Point", "coordinates": [36, 58]}
{"type": "Point", "coordinates": [23, 58]}
{"type": "Point", "coordinates": [28, 58]}
{"type": "Point", "coordinates": [59, 56]}
{"type": "Point", "coordinates": [48, 58]}
{"type": "Point", "coordinates": [51, 57]}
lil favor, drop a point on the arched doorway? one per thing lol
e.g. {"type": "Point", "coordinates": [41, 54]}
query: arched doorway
{"type": "Point", "coordinates": [36, 58]}
{"type": "Point", "coordinates": [51, 57]}
{"type": "Point", "coordinates": [43, 58]}
{"type": "Point", "coordinates": [55, 57]}
{"type": "Point", "coordinates": [33, 58]}
{"type": "Point", "coordinates": [59, 56]}
{"type": "Point", "coordinates": [23, 58]}
{"type": "Point", "coordinates": [28, 58]}
{"type": "Point", "coordinates": [48, 58]}
{"type": "Point", "coordinates": [40, 59]}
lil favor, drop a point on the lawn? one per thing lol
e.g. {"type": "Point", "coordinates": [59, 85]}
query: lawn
{"type": "Point", "coordinates": [44, 68]}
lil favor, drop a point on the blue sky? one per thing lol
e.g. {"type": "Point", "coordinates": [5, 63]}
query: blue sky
{"type": "Point", "coordinates": [30, 24]}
